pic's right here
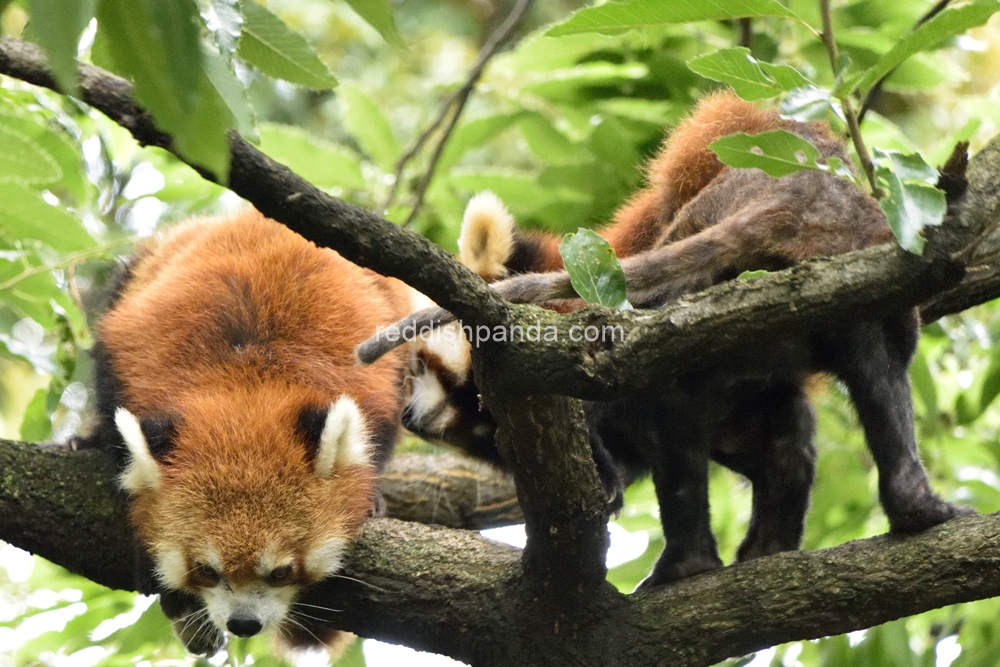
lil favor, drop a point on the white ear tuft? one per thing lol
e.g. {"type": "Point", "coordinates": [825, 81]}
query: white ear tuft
{"type": "Point", "coordinates": [344, 441]}
{"type": "Point", "coordinates": [487, 238]}
{"type": "Point", "coordinates": [142, 472]}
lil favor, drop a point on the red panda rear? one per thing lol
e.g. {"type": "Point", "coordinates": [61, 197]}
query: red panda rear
{"type": "Point", "coordinates": [682, 168]}
{"type": "Point", "coordinates": [252, 440]}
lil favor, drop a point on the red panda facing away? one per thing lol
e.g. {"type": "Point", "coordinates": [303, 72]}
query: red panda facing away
{"type": "Point", "coordinates": [250, 440]}
{"type": "Point", "coordinates": [696, 224]}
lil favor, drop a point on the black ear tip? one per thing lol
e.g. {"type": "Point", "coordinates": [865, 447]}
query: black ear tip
{"type": "Point", "coordinates": [160, 434]}
{"type": "Point", "coordinates": [311, 422]}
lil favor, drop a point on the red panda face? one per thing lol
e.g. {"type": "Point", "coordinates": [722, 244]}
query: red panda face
{"type": "Point", "coordinates": [444, 400]}
{"type": "Point", "coordinates": [246, 519]}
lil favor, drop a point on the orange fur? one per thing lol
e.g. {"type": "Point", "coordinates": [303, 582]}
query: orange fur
{"type": "Point", "coordinates": [230, 329]}
{"type": "Point", "coordinates": [681, 169]}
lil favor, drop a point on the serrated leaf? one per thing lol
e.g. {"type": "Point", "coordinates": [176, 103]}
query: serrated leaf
{"type": "Point", "coordinates": [232, 92]}
{"type": "Point", "coordinates": [750, 78]}
{"type": "Point", "coordinates": [25, 215]}
{"type": "Point", "coordinates": [23, 160]}
{"type": "Point", "coordinates": [224, 19]}
{"type": "Point", "coordinates": [365, 122]}
{"type": "Point", "coordinates": [156, 43]}
{"type": "Point", "coordinates": [911, 203]}
{"type": "Point", "coordinates": [320, 162]}
{"type": "Point", "coordinates": [378, 14]}
{"type": "Point", "coordinates": [948, 23]}
{"type": "Point", "coordinates": [776, 153]}
{"type": "Point", "coordinates": [58, 25]}
{"type": "Point", "coordinates": [277, 50]}
{"type": "Point", "coordinates": [56, 147]}
{"type": "Point", "coordinates": [810, 103]}
{"type": "Point", "coordinates": [594, 269]}
{"type": "Point", "coordinates": [617, 17]}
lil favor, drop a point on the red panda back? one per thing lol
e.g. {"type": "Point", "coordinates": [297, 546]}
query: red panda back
{"type": "Point", "coordinates": [239, 301]}
{"type": "Point", "coordinates": [251, 438]}
{"type": "Point", "coordinates": [683, 167]}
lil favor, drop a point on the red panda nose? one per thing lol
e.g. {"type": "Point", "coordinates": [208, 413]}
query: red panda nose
{"type": "Point", "coordinates": [243, 627]}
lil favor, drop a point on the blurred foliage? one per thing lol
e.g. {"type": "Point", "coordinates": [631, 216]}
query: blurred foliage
{"type": "Point", "coordinates": [558, 127]}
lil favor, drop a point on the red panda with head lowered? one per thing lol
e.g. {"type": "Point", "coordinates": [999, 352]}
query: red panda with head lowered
{"type": "Point", "coordinates": [251, 441]}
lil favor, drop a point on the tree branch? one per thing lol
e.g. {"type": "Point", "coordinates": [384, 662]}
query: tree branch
{"type": "Point", "coordinates": [276, 191]}
{"type": "Point", "coordinates": [452, 110]}
{"type": "Point", "coordinates": [455, 593]}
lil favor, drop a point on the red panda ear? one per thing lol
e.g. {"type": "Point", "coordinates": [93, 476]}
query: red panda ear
{"type": "Point", "coordinates": [147, 442]}
{"type": "Point", "coordinates": [336, 436]}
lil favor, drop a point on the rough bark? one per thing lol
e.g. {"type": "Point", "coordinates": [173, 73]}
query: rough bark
{"type": "Point", "coordinates": [455, 593]}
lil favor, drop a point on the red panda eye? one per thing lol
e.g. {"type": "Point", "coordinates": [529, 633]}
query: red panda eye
{"type": "Point", "coordinates": [280, 575]}
{"type": "Point", "coordinates": [206, 573]}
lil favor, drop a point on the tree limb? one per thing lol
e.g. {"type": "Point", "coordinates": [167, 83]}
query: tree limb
{"type": "Point", "coordinates": [276, 191]}
{"type": "Point", "coordinates": [455, 593]}
{"type": "Point", "coordinates": [452, 110]}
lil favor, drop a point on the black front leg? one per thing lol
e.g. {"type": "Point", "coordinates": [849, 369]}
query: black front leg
{"type": "Point", "coordinates": [189, 618]}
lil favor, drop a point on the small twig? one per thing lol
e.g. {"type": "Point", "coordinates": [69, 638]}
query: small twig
{"type": "Point", "coordinates": [746, 32]}
{"type": "Point", "coordinates": [451, 110]}
{"type": "Point", "coordinates": [853, 127]}
{"type": "Point", "coordinates": [876, 90]}
{"type": "Point", "coordinates": [61, 264]}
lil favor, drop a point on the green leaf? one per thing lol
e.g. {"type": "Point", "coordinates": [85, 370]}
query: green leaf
{"type": "Point", "coordinates": [231, 91]}
{"type": "Point", "coordinates": [225, 20]}
{"type": "Point", "coordinates": [776, 153]}
{"type": "Point", "coordinates": [156, 43]}
{"type": "Point", "coordinates": [911, 202]}
{"type": "Point", "coordinates": [26, 215]}
{"type": "Point", "coordinates": [594, 269]}
{"type": "Point", "coordinates": [36, 425]}
{"type": "Point", "coordinates": [378, 14]}
{"type": "Point", "coordinates": [322, 163]}
{"type": "Point", "coordinates": [56, 144]}
{"type": "Point", "coordinates": [750, 78]}
{"type": "Point", "coordinates": [617, 17]}
{"type": "Point", "coordinates": [23, 160]}
{"type": "Point", "coordinates": [947, 24]}
{"type": "Point", "coordinates": [277, 50]}
{"type": "Point", "coordinates": [549, 144]}
{"type": "Point", "coordinates": [473, 134]}
{"type": "Point", "coordinates": [365, 122]}
{"type": "Point", "coordinates": [58, 25]}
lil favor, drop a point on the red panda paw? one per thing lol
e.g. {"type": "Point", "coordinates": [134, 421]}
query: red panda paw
{"type": "Point", "coordinates": [199, 635]}
{"type": "Point", "coordinates": [296, 636]}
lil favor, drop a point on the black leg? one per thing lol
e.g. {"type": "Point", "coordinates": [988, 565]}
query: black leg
{"type": "Point", "coordinates": [872, 360]}
{"type": "Point", "coordinates": [665, 429]}
{"type": "Point", "coordinates": [772, 432]}
{"type": "Point", "coordinates": [190, 621]}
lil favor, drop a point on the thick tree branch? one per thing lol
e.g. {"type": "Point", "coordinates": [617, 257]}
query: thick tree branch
{"type": "Point", "coordinates": [455, 593]}
{"type": "Point", "coordinates": [360, 236]}
{"type": "Point", "coordinates": [449, 490]}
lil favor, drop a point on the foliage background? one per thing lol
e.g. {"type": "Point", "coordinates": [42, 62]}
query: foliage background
{"type": "Point", "coordinates": [558, 127]}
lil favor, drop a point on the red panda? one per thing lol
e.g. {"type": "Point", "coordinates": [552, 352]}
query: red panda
{"type": "Point", "coordinates": [251, 441]}
{"type": "Point", "coordinates": [698, 223]}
